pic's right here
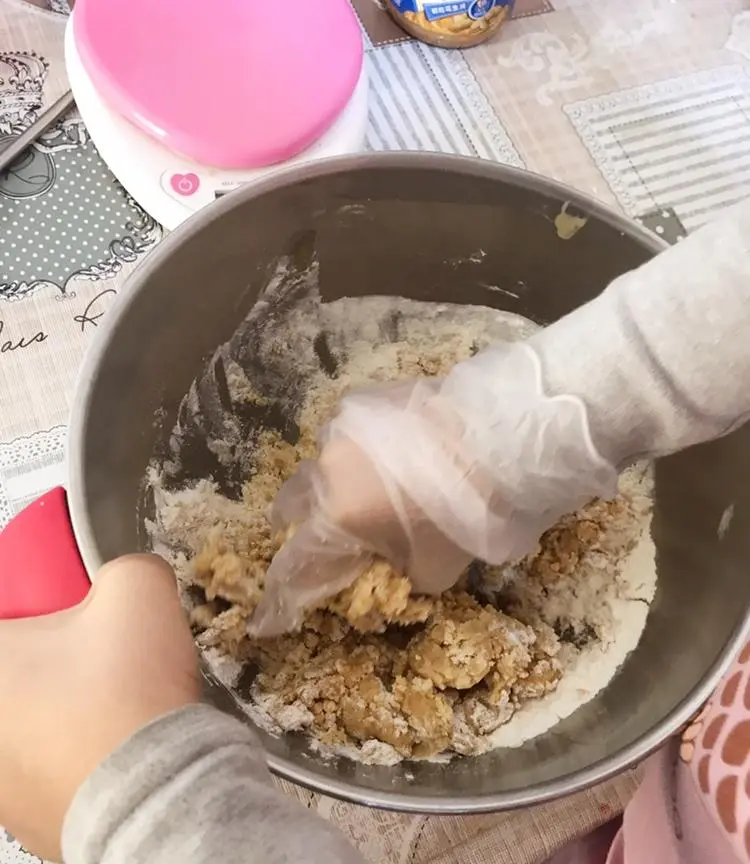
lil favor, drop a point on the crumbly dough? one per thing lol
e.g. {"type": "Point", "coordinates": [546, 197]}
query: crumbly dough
{"type": "Point", "coordinates": [419, 674]}
{"type": "Point", "coordinates": [377, 673]}
{"type": "Point", "coordinates": [381, 598]}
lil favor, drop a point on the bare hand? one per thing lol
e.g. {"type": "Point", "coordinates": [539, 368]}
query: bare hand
{"type": "Point", "coordinates": [76, 685]}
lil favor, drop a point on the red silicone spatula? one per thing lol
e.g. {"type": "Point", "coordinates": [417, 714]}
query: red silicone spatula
{"type": "Point", "coordinates": [41, 570]}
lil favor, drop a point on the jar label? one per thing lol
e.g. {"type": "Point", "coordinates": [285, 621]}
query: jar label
{"type": "Point", "coordinates": [435, 10]}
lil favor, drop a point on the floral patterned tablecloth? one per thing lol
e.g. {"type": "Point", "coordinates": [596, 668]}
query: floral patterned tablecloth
{"type": "Point", "coordinates": [584, 92]}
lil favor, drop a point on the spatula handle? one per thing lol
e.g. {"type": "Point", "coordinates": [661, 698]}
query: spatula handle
{"type": "Point", "coordinates": [41, 570]}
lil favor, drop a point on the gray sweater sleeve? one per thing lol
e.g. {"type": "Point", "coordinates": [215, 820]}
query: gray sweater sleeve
{"type": "Point", "coordinates": [193, 788]}
{"type": "Point", "coordinates": [662, 357]}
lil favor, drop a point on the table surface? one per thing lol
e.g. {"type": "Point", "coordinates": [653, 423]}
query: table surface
{"type": "Point", "coordinates": [584, 92]}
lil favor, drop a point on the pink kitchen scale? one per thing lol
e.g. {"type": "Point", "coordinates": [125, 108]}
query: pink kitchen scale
{"type": "Point", "coordinates": [187, 101]}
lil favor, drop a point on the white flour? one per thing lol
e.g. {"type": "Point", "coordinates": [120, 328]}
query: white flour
{"type": "Point", "coordinates": [588, 671]}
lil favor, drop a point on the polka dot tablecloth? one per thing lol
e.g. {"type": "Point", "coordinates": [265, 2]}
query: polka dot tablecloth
{"type": "Point", "coordinates": [61, 212]}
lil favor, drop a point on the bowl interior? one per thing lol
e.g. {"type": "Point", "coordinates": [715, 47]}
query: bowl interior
{"type": "Point", "coordinates": [412, 225]}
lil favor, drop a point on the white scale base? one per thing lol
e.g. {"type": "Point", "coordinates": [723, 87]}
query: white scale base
{"type": "Point", "coordinates": [168, 186]}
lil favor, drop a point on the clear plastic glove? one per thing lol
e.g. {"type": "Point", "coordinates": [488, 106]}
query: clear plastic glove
{"type": "Point", "coordinates": [430, 474]}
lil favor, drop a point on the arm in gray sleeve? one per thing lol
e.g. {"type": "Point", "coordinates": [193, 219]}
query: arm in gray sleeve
{"type": "Point", "coordinates": [662, 357]}
{"type": "Point", "coordinates": [193, 788]}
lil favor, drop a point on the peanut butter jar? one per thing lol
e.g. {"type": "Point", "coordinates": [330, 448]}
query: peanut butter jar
{"type": "Point", "coordinates": [456, 24]}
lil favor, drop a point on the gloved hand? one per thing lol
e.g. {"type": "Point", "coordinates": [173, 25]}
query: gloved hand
{"type": "Point", "coordinates": [430, 474]}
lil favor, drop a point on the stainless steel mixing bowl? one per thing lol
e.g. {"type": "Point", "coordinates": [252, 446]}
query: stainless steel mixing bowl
{"type": "Point", "coordinates": [410, 224]}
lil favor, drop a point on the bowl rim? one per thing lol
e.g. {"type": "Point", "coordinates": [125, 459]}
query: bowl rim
{"type": "Point", "coordinates": [579, 780]}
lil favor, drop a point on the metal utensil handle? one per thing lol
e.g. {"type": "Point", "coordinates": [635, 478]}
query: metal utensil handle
{"type": "Point", "coordinates": [18, 145]}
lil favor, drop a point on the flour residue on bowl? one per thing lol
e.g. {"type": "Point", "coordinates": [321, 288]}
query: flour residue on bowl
{"type": "Point", "coordinates": [498, 660]}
